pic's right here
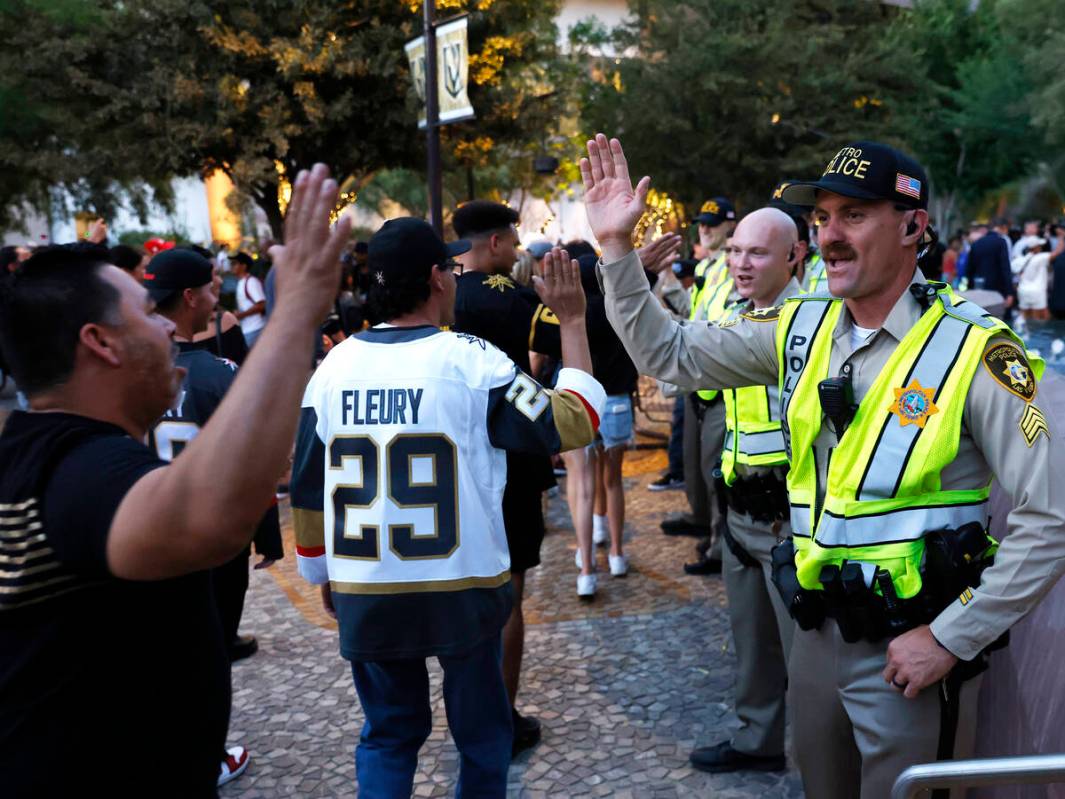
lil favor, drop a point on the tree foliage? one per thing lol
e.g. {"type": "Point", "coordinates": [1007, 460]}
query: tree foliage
{"type": "Point", "coordinates": [131, 92]}
{"type": "Point", "coordinates": [970, 126]}
{"type": "Point", "coordinates": [730, 96]}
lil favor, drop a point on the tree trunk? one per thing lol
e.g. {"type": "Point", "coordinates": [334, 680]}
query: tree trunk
{"type": "Point", "coordinates": [267, 200]}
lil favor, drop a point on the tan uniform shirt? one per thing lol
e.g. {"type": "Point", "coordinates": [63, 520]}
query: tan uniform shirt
{"type": "Point", "coordinates": [1030, 559]}
{"type": "Point", "coordinates": [676, 299]}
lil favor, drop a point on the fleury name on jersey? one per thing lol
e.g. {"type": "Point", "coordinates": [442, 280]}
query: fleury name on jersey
{"type": "Point", "coordinates": [380, 405]}
{"type": "Point", "coordinates": [398, 481]}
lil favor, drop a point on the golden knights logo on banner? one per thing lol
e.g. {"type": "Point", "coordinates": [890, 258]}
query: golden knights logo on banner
{"type": "Point", "coordinates": [453, 66]}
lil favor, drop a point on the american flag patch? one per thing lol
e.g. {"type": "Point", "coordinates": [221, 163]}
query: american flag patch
{"type": "Point", "coordinates": [904, 184]}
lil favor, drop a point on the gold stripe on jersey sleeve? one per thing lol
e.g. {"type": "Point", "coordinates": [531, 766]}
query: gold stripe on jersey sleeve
{"type": "Point", "coordinates": [421, 587]}
{"type": "Point", "coordinates": [571, 420]}
{"type": "Point", "coordinates": [309, 528]}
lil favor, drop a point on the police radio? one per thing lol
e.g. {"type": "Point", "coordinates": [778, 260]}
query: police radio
{"type": "Point", "coordinates": [836, 395]}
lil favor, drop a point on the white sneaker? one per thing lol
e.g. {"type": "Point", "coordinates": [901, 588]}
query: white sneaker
{"type": "Point", "coordinates": [619, 565]}
{"type": "Point", "coordinates": [586, 585]}
{"type": "Point", "coordinates": [600, 533]}
{"type": "Point", "coordinates": [235, 764]}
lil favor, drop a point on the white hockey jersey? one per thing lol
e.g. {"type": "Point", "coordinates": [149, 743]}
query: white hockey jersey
{"type": "Point", "coordinates": [398, 482]}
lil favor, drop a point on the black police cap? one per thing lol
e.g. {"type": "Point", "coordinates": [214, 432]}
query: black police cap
{"type": "Point", "coordinates": [866, 170]}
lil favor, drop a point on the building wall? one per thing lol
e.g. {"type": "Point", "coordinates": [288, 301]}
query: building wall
{"type": "Point", "coordinates": [610, 13]}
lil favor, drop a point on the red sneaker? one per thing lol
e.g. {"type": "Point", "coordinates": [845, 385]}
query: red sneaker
{"type": "Point", "coordinates": [235, 764]}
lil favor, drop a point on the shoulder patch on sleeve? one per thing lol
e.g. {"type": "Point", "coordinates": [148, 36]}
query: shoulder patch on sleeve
{"type": "Point", "coordinates": [1007, 364]}
{"type": "Point", "coordinates": [729, 323]}
{"type": "Point", "coordinates": [763, 314]}
{"type": "Point", "coordinates": [1032, 424]}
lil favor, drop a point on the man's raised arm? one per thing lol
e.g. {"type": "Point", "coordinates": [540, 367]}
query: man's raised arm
{"type": "Point", "coordinates": [195, 513]}
{"type": "Point", "coordinates": [692, 356]}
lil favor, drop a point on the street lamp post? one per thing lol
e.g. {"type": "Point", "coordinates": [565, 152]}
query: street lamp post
{"type": "Point", "coordinates": [432, 121]}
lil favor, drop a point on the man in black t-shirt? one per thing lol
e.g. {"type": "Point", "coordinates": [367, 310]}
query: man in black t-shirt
{"type": "Point", "coordinates": [179, 282]}
{"type": "Point", "coordinates": [490, 305]}
{"type": "Point", "coordinates": [113, 669]}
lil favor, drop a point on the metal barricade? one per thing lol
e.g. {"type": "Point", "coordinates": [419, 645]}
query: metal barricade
{"type": "Point", "coordinates": [1024, 770]}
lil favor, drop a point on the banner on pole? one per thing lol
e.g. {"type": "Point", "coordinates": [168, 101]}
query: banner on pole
{"type": "Point", "coordinates": [452, 67]}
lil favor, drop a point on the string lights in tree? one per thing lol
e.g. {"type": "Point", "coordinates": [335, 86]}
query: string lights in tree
{"type": "Point", "coordinates": [345, 199]}
{"type": "Point", "coordinates": [284, 188]}
{"type": "Point", "coordinates": [659, 216]}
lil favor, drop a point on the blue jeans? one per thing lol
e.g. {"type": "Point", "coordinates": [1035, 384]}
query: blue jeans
{"type": "Point", "coordinates": [395, 698]}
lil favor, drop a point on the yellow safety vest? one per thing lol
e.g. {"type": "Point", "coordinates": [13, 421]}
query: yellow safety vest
{"type": "Point", "coordinates": [752, 430]}
{"type": "Point", "coordinates": [815, 274]}
{"type": "Point", "coordinates": [712, 273]}
{"type": "Point", "coordinates": [883, 491]}
{"type": "Point", "coordinates": [716, 310]}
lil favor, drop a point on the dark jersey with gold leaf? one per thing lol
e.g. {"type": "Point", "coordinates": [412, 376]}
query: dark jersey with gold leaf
{"type": "Point", "coordinates": [497, 309]}
{"type": "Point", "coordinates": [511, 317]}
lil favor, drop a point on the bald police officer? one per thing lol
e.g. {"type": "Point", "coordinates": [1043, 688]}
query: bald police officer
{"type": "Point", "coordinates": [762, 262]}
{"type": "Point", "coordinates": [900, 402]}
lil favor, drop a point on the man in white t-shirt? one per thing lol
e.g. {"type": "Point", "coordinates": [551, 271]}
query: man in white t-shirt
{"type": "Point", "coordinates": [251, 299]}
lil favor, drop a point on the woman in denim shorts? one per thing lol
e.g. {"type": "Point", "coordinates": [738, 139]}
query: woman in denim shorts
{"type": "Point", "coordinates": [594, 474]}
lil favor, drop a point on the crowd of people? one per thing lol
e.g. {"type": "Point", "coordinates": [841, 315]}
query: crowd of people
{"type": "Point", "coordinates": [1026, 264]}
{"type": "Point", "coordinates": [833, 430]}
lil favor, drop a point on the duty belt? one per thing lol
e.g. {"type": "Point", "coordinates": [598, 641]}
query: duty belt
{"type": "Point", "coordinates": [762, 497]}
{"type": "Point", "coordinates": [954, 561]}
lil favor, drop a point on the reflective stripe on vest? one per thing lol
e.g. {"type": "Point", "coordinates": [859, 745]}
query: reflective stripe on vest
{"type": "Point", "coordinates": [883, 491]}
{"type": "Point", "coordinates": [876, 529]}
{"type": "Point", "coordinates": [798, 331]}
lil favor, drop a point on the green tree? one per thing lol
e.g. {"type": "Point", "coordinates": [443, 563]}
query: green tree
{"type": "Point", "coordinates": [731, 96]}
{"type": "Point", "coordinates": [970, 125]}
{"type": "Point", "coordinates": [1040, 26]}
{"type": "Point", "coordinates": [260, 88]}
{"type": "Point", "coordinates": [52, 80]}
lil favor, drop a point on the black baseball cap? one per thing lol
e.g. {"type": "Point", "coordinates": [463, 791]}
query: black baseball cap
{"type": "Point", "coordinates": [407, 245]}
{"type": "Point", "coordinates": [866, 170]}
{"type": "Point", "coordinates": [715, 211]}
{"type": "Point", "coordinates": [175, 270]}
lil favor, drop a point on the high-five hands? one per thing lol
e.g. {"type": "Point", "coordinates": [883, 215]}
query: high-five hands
{"type": "Point", "coordinates": [308, 263]}
{"type": "Point", "coordinates": [613, 205]}
{"type": "Point", "coordinates": [559, 286]}
{"type": "Point", "coordinates": [660, 254]}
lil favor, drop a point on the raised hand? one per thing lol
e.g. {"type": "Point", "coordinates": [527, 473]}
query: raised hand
{"type": "Point", "coordinates": [97, 233]}
{"type": "Point", "coordinates": [308, 263]}
{"type": "Point", "coordinates": [660, 253]}
{"type": "Point", "coordinates": [559, 286]}
{"type": "Point", "coordinates": [613, 205]}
